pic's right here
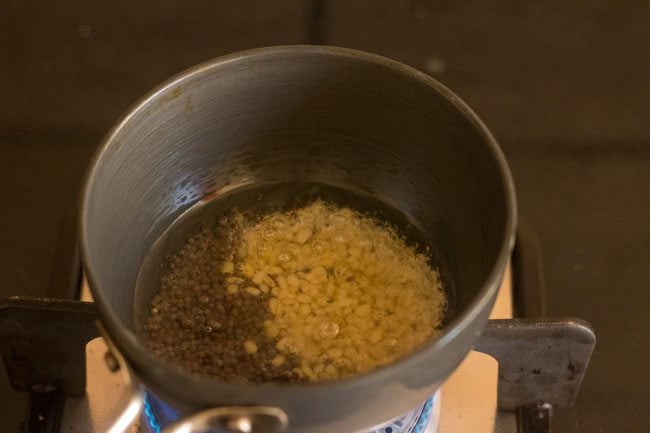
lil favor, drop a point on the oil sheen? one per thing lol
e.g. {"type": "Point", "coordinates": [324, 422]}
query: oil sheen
{"type": "Point", "coordinates": [310, 286]}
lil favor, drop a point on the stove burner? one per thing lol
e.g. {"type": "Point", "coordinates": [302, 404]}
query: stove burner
{"type": "Point", "coordinates": [157, 415]}
{"type": "Point", "coordinates": [416, 421]}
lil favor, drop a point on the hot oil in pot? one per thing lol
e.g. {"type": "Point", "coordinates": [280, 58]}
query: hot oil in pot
{"type": "Point", "coordinates": [287, 283]}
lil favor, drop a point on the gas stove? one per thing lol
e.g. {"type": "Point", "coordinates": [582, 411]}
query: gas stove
{"type": "Point", "coordinates": [513, 395]}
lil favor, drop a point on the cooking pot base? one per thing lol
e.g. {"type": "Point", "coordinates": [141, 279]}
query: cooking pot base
{"type": "Point", "coordinates": [422, 419]}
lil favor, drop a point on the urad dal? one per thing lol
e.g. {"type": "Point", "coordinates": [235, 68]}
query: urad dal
{"type": "Point", "coordinates": [316, 293]}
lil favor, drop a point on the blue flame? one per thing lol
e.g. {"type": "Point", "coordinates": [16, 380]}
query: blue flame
{"type": "Point", "coordinates": [151, 418]}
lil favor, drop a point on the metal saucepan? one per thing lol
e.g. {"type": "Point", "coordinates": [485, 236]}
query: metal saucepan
{"type": "Point", "coordinates": [300, 113]}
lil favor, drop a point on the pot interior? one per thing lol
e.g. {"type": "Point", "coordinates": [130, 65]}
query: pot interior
{"type": "Point", "coordinates": [373, 129]}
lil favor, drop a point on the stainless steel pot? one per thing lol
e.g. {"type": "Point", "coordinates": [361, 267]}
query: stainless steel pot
{"type": "Point", "coordinates": [302, 113]}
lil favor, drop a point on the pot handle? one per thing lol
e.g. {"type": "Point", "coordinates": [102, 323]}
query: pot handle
{"type": "Point", "coordinates": [115, 363]}
{"type": "Point", "coordinates": [235, 419]}
{"type": "Point", "coordinates": [229, 419]}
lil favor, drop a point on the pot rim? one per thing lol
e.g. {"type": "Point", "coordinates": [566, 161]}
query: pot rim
{"type": "Point", "coordinates": [145, 363]}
